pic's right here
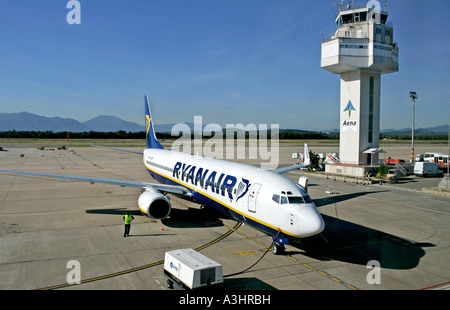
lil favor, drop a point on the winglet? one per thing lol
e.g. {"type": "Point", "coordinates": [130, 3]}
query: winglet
{"type": "Point", "coordinates": [307, 160]}
{"type": "Point", "coordinates": [306, 163]}
{"type": "Point", "coordinates": [152, 142]}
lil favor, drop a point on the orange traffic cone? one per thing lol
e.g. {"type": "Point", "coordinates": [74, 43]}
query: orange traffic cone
{"type": "Point", "coordinates": [162, 228]}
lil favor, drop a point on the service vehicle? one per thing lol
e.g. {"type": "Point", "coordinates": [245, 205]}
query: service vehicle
{"type": "Point", "coordinates": [427, 169]}
{"type": "Point", "coordinates": [188, 269]}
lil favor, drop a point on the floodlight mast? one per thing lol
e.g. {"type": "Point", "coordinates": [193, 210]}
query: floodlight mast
{"type": "Point", "coordinates": [448, 158]}
{"type": "Point", "coordinates": [413, 95]}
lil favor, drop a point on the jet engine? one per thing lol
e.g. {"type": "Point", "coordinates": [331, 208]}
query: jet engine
{"type": "Point", "coordinates": [154, 204]}
{"type": "Point", "coordinates": [303, 183]}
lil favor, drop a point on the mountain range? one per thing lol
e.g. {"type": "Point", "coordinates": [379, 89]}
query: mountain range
{"type": "Point", "coordinates": [430, 131]}
{"type": "Point", "coordinates": [25, 121]}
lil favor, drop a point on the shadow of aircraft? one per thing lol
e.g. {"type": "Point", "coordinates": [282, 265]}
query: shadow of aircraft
{"type": "Point", "coordinates": [246, 284]}
{"type": "Point", "coordinates": [191, 218]}
{"type": "Point", "coordinates": [120, 211]}
{"type": "Point", "coordinates": [356, 244]}
{"type": "Point", "coordinates": [336, 198]}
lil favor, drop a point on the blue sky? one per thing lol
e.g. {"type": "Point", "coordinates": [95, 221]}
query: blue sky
{"type": "Point", "coordinates": [231, 61]}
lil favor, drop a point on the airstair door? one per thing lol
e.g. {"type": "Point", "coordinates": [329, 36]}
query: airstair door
{"type": "Point", "coordinates": [252, 197]}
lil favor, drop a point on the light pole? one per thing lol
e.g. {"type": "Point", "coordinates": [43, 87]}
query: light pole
{"type": "Point", "coordinates": [448, 156]}
{"type": "Point", "coordinates": [413, 96]}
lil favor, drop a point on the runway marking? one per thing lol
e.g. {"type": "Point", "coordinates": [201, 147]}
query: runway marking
{"type": "Point", "coordinates": [249, 252]}
{"type": "Point", "coordinates": [229, 232]}
{"type": "Point", "coordinates": [68, 158]}
{"type": "Point", "coordinates": [327, 275]}
{"type": "Point", "coordinates": [407, 206]}
{"type": "Point", "coordinates": [395, 203]}
{"type": "Point", "coordinates": [356, 246]}
{"type": "Point", "coordinates": [442, 286]}
{"type": "Point", "coordinates": [318, 271]}
{"type": "Point", "coordinates": [159, 283]}
{"type": "Point", "coordinates": [399, 188]}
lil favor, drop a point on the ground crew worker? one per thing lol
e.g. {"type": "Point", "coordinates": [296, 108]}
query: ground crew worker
{"type": "Point", "coordinates": [127, 220]}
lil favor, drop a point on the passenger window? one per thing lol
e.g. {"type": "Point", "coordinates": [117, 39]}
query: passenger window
{"type": "Point", "coordinates": [276, 198]}
{"type": "Point", "coordinates": [283, 200]}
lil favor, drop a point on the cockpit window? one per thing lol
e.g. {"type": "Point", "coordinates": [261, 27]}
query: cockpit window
{"type": "Point", "coordinates": [276, 198]}
{"type": "Point", "coordinates": [291, 199]}
{"type": "Point", "coordinates": [297, 199]}
{"type": "Point", "coordinates": [307, 199]}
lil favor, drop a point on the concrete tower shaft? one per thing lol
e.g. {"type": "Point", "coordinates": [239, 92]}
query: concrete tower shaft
{"type": "Point", "coordinates": [361, 49]}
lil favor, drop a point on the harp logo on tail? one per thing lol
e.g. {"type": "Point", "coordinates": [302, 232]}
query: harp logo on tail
{"type": "Point", "coordinates": [147, 123]}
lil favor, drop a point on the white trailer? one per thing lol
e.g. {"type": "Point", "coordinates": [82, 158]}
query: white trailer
{"type": "Point", "coordinates": [188, 269]}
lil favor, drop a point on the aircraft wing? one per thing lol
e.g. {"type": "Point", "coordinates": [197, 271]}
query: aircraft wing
{"type": "Point", "coordinates": [305, 163]}
{"type": "Point", "coordinates": [133, 151]}
{"type": "Point", "coordinates": [286, 169]}
{"type": "Point", "coordinates": [159, 187]}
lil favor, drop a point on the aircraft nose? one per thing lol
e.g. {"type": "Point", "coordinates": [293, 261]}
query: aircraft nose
{"type": "Point", "coordinates": [310, 221]}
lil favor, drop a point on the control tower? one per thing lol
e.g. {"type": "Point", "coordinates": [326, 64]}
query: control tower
{"type": "Point", "coordinates": [361, 49]}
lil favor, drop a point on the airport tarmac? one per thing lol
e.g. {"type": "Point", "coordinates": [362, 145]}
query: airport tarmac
{"type": "Point", "coordinates": [45, 224]}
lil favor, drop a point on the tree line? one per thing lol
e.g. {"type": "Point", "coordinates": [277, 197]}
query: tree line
{"type": "Point", "coordinates": [283, 134]}
{"type": "Point", "coordinates": [418, 137]}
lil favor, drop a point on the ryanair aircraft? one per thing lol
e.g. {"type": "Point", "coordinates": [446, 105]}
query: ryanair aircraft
{"type": "Point", "coordinates": [264, 199]}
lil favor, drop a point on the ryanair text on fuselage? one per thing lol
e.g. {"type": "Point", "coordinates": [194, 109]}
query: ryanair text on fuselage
{"type": "Point", "coordinates": [211, 180]}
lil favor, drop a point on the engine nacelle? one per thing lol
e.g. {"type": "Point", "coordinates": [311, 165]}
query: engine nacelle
{"type": "Point", "coordinates": [153, 204]}
{"type": "Point", "coordinates": [303, 183]}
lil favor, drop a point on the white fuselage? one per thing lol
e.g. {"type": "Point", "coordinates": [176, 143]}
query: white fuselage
{"type": "Point", "coordinates": [266, 200]}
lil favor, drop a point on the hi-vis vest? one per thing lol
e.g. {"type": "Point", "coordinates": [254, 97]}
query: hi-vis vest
{"type": "Point", "coordinates": [128, 219]}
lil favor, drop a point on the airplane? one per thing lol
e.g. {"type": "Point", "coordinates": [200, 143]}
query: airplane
{"type": "Point", "coordinates": [264, 199]}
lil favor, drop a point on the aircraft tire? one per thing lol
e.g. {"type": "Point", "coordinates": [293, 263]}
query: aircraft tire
{"type": "Point", "coordinates": [169, 284]}
{"type": "Point", "coordinates": [277, 249]}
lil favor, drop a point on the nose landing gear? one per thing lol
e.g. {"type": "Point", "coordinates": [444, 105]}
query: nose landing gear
{"type": "Point", "coordinates": [278, 249]}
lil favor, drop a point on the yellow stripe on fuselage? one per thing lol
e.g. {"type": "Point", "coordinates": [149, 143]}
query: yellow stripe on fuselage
{"type": "Point", "coordinates": [220, 202]}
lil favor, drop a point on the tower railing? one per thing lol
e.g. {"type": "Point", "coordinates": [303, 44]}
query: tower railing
{"type": "Point", "coordinates": [345, 34]}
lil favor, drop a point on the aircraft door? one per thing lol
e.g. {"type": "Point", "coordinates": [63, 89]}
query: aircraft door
{"type": "Point", "coordinates": [252, 197]}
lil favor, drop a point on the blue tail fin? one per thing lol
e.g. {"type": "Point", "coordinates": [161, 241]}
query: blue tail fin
{"type": "Point", "coordinates": [152, 142]}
